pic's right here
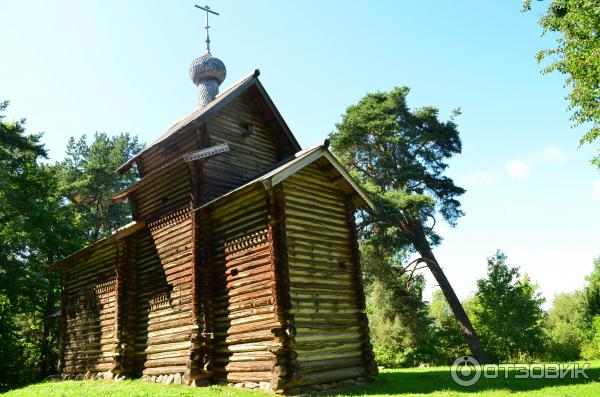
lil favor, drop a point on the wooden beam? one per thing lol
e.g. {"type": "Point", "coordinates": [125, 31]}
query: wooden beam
{"type": "Point", "coordinates": [367, 347]}
{"type": "Point", "coordinates": [117, 349]}
{"type": "Point", "coordinates": [202, 360]}
{"type": "Point", "coordinates": [63, 322]}
{"type": "Point", "coordinates": [130, 299]}
{"type": "Point", "coordinates": [287, 373]}
{"type": "Point", "coordinates": [198, 358]}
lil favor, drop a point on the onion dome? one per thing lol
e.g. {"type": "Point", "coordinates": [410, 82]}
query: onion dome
{"type": "Point", "coordinates": [207, 72]}
{"type": "Point", "coordinates": [207, 67]}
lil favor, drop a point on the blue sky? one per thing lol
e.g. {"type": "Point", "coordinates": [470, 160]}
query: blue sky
{"type": "Point", "coordinates": [73, 67]}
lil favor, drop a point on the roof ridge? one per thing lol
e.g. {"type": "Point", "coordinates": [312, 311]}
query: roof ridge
{"type": "Point", "coordinates": [191, 117]}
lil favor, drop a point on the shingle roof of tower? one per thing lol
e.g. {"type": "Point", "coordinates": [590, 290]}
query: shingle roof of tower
{"type": "Point", "coordinates": [207, 67]}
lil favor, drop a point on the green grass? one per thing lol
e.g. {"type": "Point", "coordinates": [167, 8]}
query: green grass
{"type": "Point", "coordinates": [406, 382]}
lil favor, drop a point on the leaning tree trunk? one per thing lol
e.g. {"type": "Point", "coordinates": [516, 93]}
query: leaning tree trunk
{"type": "Point", "coordinates": [466, 327]}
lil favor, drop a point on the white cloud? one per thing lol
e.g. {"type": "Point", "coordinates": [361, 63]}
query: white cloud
{"type": "Point", "coordinates": [554, 155]}
{"type": "Point", "coordinates": [596, 189]}
{"type": "Point", "coordinates": [517, 169]}
{"type": "Point", "coordinates": [477, 178]}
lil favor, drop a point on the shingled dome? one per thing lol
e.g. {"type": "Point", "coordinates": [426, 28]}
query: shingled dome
{"type": "Point", "coordinates": [207, 72]}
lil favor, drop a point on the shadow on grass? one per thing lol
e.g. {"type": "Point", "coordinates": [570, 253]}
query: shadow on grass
{"type": "Point", "coordinates": [432, 380]}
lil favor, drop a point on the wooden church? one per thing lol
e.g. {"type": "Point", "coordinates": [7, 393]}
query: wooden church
{"type": "Point", "coordinates": [241, 265]}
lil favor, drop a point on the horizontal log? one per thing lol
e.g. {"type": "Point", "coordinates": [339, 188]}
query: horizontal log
{"type": "Point", "coordinates": [332, 375]}
{"type": "Point", "coordinates": [169, 331]}
{"type": "Point", "coordinates": [84, 368]}
{"type": "Point", "coordinates": [264, 335]}
{"type": "Point", "coordinates": [237, 377]}
{"type": "Point", "coordinates": [166, 362]}
{"type": "Point", "coordinates": [164, 370]}
{"type": "Point", "coordinates": [246, 347]}
{"type": "Point", "coordinates": [163, 347]}
{"type": "Point", "coordinates": [324, 365]}
{"type": "Point", "coordinates": [249, 366]}
{"type": "Point", "coordinates": [306, 357]}
{"type": "Point", "coordinates": [247, 357]}
{"type": "Point", "coordinates": [323, 337]}
{"type": "Point", "coordinates": [164, 355]}
{"type": "Point", "coordinates": [169, 338]}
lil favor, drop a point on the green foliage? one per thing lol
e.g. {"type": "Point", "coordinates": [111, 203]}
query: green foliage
{"type": "Point", "coordinates": [399, 156]}
{"type": "Point", "coordinates": [592, 294]}
{"type": "Point", "coordinates": [34, 231]}
{"type": "Point", "coordinates": [591, 314]}
{"type": "Point", "coordinates": [43, 219]}
{"type": "Point", "coordinates": [564, 326]}
{"type": "Point", "coordinates": [8, 347]}
{"type": "Point", "coordinates": [590, 349]}
{"type": "Point", "coordinates": [446, 337]}
{"type": "Point", "coordinates": [507, 312]}
{"type": "Point", "coordinates": [577, 56]}
{"type": "Point", "coordinates": [397, 314]}
{"type": "Point", "coordinates": [88, 180]}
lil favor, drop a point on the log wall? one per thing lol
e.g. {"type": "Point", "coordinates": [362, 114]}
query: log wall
{"type": "Point", "coordinates": [243, 300]}
{"type": "Point", "coordinates": [89, 318]}
{"type": "Point", "coordinates": [332, 341]}
{"type": "Point", "coordinates": [262, 288]}
{"type": "Point", "coordinates": [183, 141]}
{"type": "Point", "coordinates": [163, 196]}
{"type": "Point", "coordinates": [249, 155]}
{"type": "Point", "coordinates": [164, 323]}
{"type": "Point", "coordinates": [255, 139]}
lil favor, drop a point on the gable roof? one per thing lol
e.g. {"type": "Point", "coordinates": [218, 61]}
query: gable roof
{"type": "Point", "coordinates": [301, 160]}
{"type": "Point", "coordinates": [200, 115]}
{"type": "Point", "coordinates": [267, 180]}
{"type": "Point", "coordinates": [164, 169]}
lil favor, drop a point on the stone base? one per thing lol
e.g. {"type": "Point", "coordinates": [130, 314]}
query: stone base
{"type": "Point", "coordinates": [166, 379]}
{"type": "Point", "coordinates": [327, 388]}
{"type": "Point", "coordinates": [263, 386]}
{"type": "Point", "coordinates": [93, 376]}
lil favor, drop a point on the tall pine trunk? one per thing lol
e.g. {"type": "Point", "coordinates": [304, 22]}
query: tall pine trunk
{"type": "Point", "coordinates": [424, 248]}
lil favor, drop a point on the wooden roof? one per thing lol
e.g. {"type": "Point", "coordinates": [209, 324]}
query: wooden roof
{"type": "Point", "coordinates": [115, 236]}
{"type": "Point", "coordinates": [268, 180]}
{"type": "Point", "coordinates": [161, 171]}
{"type": "Point", "coordinates": [199, 116]}
{"type": "Point", "coordinates": [302, 159]}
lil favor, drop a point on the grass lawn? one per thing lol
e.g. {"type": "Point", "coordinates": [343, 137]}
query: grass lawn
{"type": "Point", "coordinates": [407, 382]}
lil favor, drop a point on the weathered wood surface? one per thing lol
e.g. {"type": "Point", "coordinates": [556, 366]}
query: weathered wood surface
{"type": "Point", "coordinates": [89, 311]}
{"type": "Point", "coordinates": [249, 155]}
{"type": "Point", "coordinates": [184, 141]}
{"type": "Point", "coordinates": [164, 196]}
{"type": "Point", "coordinates": [164, 318]}
{"type": "Point", "coordinates": [328, 311]}
{"type": "Point", "coordinates": [264, 286]}
{"type": "Point", "coordinates": [243, 312]}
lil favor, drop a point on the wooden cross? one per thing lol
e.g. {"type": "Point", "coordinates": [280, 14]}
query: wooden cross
{"type": "Point", "coordinates": [208, 10]}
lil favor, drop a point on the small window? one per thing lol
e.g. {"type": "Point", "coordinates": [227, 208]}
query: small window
{"type": "Point", "coordinates": [248, 129]}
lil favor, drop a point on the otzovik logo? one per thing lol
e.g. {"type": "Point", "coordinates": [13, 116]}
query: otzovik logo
{"type": "Point", "coordinates": [466, 371]}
